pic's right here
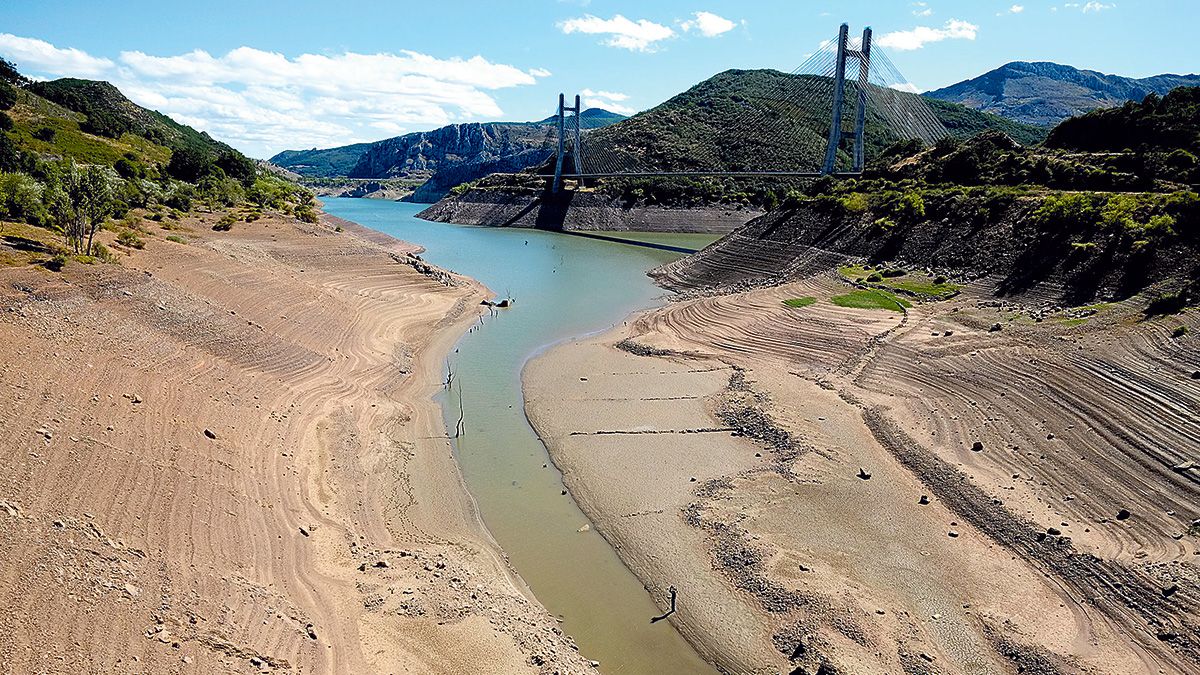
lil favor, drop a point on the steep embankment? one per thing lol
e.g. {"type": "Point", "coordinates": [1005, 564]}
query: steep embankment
{"type": "Point", "coordinates": [1020, 247]}
{"type": "Point", "coordinates": [581, 211]}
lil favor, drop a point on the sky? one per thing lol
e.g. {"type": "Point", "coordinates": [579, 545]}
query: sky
{"type": "Point", "coordinates": [266, 76]}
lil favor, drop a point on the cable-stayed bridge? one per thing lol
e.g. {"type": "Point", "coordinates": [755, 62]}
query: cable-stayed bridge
{"type": "Point", "coordinates": [821, 119]}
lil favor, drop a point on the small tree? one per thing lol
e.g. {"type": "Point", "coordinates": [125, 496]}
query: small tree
{"type": "Point", "coordinates": [82, 203]}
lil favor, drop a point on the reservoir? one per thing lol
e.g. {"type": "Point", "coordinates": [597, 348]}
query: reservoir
{"type": "Point", "coordinates": [563, 286]}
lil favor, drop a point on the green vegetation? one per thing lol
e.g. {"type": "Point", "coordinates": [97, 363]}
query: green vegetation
{"type": "Point", "coordinates": [893, 279]}
{"type": "Point", "coordinates": [871, 299]}
{"type": "Point", "coordinates": [226, 222]}
{"type": "Point", "coordinates": [130, 239]}
{"type": "Point", "coordinates": [176, 238]}
{"type": "Point", "coordinates": [1179, 331]}
{"type": "Point", "coordinates": [76, 155]}
{"type": "Point", "coordinates": [800, 302]}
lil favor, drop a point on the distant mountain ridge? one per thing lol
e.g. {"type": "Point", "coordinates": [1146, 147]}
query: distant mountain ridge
{"type": "Point", "coordinates": [446, 156]}
{"type": "Point", "coordinates": [1045, 93]}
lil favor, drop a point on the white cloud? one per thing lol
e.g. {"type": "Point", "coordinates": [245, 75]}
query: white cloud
{"type": "Point", "coordinates": [708, 24]}
{"type": "Point", "coordinates": [609, 100]}
{"type": "Point", "coordinates": [921, 9]}
{"type": "Point", "coordinates": [642, 35]}
{"type": "Point", "coordinates": [907, 40]}
{"type": "Point", "coordinates": [1016, 9]}
{"type": "Point", "coordinates": [34, 54]}
{"type": "Point", "coordinates": [263, 102]}
{"type": "Point", "coordinates": [1092, 6]}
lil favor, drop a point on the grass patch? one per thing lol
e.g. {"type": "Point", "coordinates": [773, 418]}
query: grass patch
{"type": "Point", "coordinates": [1071, 323]}
{"type": "Point", "coordinates": [899, 280]}
{"type": "Point", "coordinates": [176, 238]}
{"type": "Point", "coordinates": [871, 299]}
{"type": "Point", "coordinates": [800, 302]}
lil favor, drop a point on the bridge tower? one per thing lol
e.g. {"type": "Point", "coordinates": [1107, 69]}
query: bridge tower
{"type": "Point", "coordinates": [576, 148]}
{"type": "Point", "coordinates": [837, 131]}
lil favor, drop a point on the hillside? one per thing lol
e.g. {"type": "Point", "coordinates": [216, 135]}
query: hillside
{"type": "Point", "coordinates": [78, 157]}
{"type": "Point", "coordinates": [1044, 94]}
{"type": "Point", "coordinates": [1103, 211]}
{"type": "Point", "coordinates": [321, 163]}
{"type": "Point", "coordinates": [444, 157]}
{"type": "Point", "coordinates": [703, 128]}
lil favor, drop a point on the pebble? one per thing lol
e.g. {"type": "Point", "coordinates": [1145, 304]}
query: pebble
{"type": "Point", "coordinates": [304, 531]}
{"type": "Point", "coordinates": [923, 500]}
{"type": "Point", "coordinates": [1123, 514]}
{"type": "Point", "coordinates": [210, 434]}
{"type": "Point", "coordinates": [862, 473]}
{"type": "Point", "coordinates": [953, 533]}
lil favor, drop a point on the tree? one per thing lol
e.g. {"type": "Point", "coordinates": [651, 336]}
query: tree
{"type": "Point", "coordinates": [82, 204]}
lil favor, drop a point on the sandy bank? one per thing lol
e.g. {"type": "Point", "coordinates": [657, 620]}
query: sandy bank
{"type": "Point", "coordinates": [771, 461]}
{"type": "Point", "coordinates": [224, 456]}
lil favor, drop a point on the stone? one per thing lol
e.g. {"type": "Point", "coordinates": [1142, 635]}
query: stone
{"type": "Point", "coordinates": [1053, 531]}
{"type": "Point", "coordinates": [1183, 467]}
{"type": "Point", "coordinates": [304, 530]}
{"type": "Point", "coordinates": [977, 447]}
{"type": "Point", "coordinates": [995, 328]}
{"type": "Point", "coordinates": [1123, 514]}
{"type": "Point", "coordinates": [862, 473]}
{"type": "Point", "coordinates": [1170, 590]}
{"type": "Point", "coordinates": [924, 500]}
{"type": "Point", "coordinates": [953, 534]}
{"type": "Point", "coordinates": [312, 633]}
{"type": "Point", "coordinates": [210, 434]}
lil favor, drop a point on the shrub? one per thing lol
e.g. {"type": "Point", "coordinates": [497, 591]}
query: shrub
{"type": "Point", "coordinates": [875, 278]}
{"type": "Point", "coordinates": [131, 239]}
{"type": "Point", "coordinates": [1179, 331]}
{"type": "Point", "coordinates": [56, 263]}
{"type": "Point", "coordinates": [6, 122]}
{"type": "Point", "coordinates": [45, 134]}
{"type": "Point", "coordinates": [226, 222]}
{"type": "Point", "coordinates": [176, 238]}
{"type": "Point", "coordinates": [855, 202]}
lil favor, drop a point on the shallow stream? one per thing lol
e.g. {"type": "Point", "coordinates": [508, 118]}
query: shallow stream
{"type": "Point", "coordinates": [564, 286]}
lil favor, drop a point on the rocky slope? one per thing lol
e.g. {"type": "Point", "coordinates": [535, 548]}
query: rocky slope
{"type": "Point", "coordinates": [1044, 93]}
{"type": "Point", "coordinates": [445, 157]}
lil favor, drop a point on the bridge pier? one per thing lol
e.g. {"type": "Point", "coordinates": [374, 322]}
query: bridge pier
{"type": "Point", "coordinates": [576, 149]}
{"type": "Point", "coordinates": [837, 131]}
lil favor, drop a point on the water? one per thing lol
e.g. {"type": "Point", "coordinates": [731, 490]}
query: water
{"type": "Point", "coordinates": [564, 286]}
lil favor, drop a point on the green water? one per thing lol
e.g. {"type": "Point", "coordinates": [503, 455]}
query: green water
{"type": "Point", "coordinates": [564, 286]}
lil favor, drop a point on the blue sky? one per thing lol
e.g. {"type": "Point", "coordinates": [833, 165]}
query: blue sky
{"type": "Point", "coordinates": [267, 76]}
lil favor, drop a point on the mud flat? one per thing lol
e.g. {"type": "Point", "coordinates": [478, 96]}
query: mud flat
{"type": "Point", "coordinates": [224, 456]}
{"type": "Point", "coordinates": [862, 490]}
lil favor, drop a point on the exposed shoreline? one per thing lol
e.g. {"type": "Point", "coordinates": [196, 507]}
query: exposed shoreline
{"type": "Point", "coordinates": [321, 522]}
{"type": "Point", "coordinates": [784, 558]}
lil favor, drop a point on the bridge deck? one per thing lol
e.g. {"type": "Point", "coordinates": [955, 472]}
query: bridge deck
{"type": "Point", "coordinates": [667, 174]}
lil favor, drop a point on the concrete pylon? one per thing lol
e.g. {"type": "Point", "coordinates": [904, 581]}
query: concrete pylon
{"type": "Point", "coordinates": [837, 132]}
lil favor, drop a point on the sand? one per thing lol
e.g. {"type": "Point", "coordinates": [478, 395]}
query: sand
{"type": "Point", "coordinates": [770, 462]}
{"type": "Point", "coordinates": [224, 456]}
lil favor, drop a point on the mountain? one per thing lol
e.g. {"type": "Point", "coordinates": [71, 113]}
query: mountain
{"type": "Point", "coordinates": [1045, 94]}
{"type": "Point", "coordinates": [446, 157]}
{"type": "Point", "coordinates": [321, 163]}
{"type": "Point", "coordinates": [706, 127]}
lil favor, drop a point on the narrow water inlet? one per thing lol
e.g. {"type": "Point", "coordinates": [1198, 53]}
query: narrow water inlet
{"type": "Point", "coordinates": [563, 286]}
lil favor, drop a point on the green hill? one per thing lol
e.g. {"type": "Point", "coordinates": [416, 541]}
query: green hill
{"type": "Point", "coordinates": [75, 155]}
{"type": "Point", "coordinates": [708, 127]}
